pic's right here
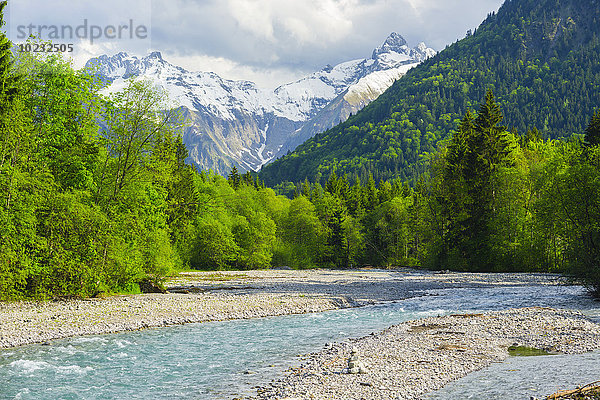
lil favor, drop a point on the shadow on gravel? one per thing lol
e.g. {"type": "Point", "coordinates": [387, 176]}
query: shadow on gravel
{"type": "Point", "coordinates": [395, 286]}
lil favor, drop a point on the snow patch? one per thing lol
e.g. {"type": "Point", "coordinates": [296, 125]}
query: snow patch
{"type": "Point", "coordinates": [203, 93]}
{"type": "Point", "coordinates": [374, 84]}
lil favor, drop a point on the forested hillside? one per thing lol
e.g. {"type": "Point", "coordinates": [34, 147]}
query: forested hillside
{"type": "Point", "coordinates": [541, 59]}
{"type": "Point", "coordinates": [95, 196]}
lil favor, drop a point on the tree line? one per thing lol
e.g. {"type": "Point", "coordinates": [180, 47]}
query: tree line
{"type": "Point", "coordinates": [541, 58]}
{"type": "Point", "coordinates": [490, 201]}
{"type": "Point", "coordinates": [95, 197]}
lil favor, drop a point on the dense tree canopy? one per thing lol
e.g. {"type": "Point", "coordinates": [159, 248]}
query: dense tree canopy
{"type": "Point", "coordinates": [95, 195]}
{"type": "Point", "coordinates": [541, 59]}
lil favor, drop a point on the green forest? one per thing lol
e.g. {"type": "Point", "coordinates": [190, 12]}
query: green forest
{"type": "Point", "coordinates": [540, 57]}
{"type": "Point", "coordinates": [95, 196]}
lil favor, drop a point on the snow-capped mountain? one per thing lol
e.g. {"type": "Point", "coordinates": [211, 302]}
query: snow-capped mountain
{"type": "Point", "coordinates": [236, 123]}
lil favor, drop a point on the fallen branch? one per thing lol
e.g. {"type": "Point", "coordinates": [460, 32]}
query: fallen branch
{"type": "Point", "coordinates": [582, 390]}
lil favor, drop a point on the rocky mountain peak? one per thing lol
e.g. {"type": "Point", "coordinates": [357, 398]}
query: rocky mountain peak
{"type": "Point", "coordinates": [155, 54]}
{"type": "Point", "coordinates": [237, 123]}
{"type": "Point", "coordinates": [393, 43]}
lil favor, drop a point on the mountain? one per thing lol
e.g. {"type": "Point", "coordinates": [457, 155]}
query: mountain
{"type": "Point", "coordinates": [541, 58]}
{"type": "Point", "coordinates": [237, 123]}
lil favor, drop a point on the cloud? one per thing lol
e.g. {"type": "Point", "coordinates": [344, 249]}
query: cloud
{"type": "Point", "coordinates": [309, 22]}
{"type": "Point", "coordinates": [91, 28]}
{"type": "Point", "coordinates": [267, 40]}
{"type": "Point", "coordinates": [233, 70]}
{"type": "Point", "coordinates": [307, 33]}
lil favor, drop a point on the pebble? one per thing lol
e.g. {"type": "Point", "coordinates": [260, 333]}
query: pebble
{"type": "Point", "coordinates": [416, 357]}
{"type": "Point", "coordinates": [402, 363]}
{"type": "Point", "coordinates": [243, 295]}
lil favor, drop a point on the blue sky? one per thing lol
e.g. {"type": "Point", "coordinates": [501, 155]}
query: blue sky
{"type": "Point", "coordinates": [266, 41]}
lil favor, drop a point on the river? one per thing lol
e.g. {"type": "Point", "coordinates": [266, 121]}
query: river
{"type": "Point", "coordinates": [224, 360]}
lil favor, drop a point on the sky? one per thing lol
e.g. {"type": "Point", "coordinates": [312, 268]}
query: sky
{"type": "Point", "coordinates": [269, 42]}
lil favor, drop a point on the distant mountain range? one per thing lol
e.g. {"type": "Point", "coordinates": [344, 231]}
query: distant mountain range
{"type": "Point", "coordinates": [235, 123]}
{"type": "Point", "coordinates": [541, 58]}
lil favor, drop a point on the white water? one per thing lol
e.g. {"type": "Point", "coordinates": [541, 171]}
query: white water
{"type": "Point", "coordinates": [224, 360]}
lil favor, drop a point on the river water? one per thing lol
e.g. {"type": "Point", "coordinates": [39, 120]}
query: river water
{"type": "Point", "coordinates": [224, 360]}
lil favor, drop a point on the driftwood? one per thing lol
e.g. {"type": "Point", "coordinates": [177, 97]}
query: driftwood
{"type": "Point", "coordinates": [582, 390]}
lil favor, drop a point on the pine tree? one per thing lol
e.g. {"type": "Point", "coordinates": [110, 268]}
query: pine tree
{"type": "Point", "coordinates": [476, 151]}
{"type": "Point", "coordinates": [592, 133]}
{"type": "Point", "coordinates": [344, 188]}
{"type": "Point", "coordinates": [306, 189]}
{"type": "Point", "coordinates": [247, 179]}
{"type": "Point", "coordinates": [234, 178]}
{"type": "Point", "coordinates": [332, 185]}
{"type": "Point", "coordinates": [371, 194]}
{"type": "Point", "coordinates": [457, 148]}
{"type": "Point", "coordinates": [8, 82]}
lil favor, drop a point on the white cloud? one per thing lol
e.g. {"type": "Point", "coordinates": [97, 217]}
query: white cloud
{"type": "Point", "coordinates": [232, 70]}
{"type": "Point", "coordinates": [268, 41]}
{"type": "Point", "coordinates": [309, 22]}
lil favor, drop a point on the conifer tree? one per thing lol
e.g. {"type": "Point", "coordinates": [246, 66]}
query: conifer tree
{"type": "Point", "coordinates": [477, 149]}
{"type": "Point", "coordinates": [592, 133]}
{"type": "Point", "coordinates": [247, 179]}
{"type": "Point", "coordinates": [371, 194]}
{"type": "Point", "coordinates": [8, 87]}
{"type": "Point", "coordinates": [344, 188]}
{"type": "Point", "coordinates": [8, 93]}
{"type": "Point", "coordinates": [306, 189]}
{"type": "Point", "coordinates": [234, 178]}
{"type": "Point", "coordinates": [332, 185]}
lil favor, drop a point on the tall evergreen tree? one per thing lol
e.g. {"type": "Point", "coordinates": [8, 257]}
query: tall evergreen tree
{"type": "Point", "coordinates": [476, 151]}
{"type": "Point", "coordinates": [8, 81]}
{"type": "Point", "coordinates": [592, 133]}
{"type": "Point", "coordinates": [9, 119]}
{"type": "Point", "coordinates": [234, 178]}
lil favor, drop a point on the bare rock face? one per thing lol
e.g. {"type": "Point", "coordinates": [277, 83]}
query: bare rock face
{"type": "Point", "coordinates": [236, 123]}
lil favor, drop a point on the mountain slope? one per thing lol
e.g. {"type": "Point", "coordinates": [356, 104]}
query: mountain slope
{"type": "Point", "coordinates": [237, 123]}
{"type": "Point", "coordinates": [541, 58]}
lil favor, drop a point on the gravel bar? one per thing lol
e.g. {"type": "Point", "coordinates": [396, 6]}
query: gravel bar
{"type": "Point", "coordinates": [217, 296]}
{"type": "Point", "coordinates": [410, 359]}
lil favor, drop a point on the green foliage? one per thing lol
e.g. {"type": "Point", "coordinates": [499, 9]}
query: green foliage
{"type": "Point", "coordinates": [215, 246]}
{"type": "Point", "coordinates": [541, 58]}
{"type": "Point", "coordinates": [391, 235]}
{"type": "Point", "coordinates": [63, 105]}
{"type": "Point", "coordinates": [592, 133]}
{"type": "Point", "coordinates": [135, 124]}
{"type": "Point", "coordinates": [81, 212]}
{"type": "Point", "coordinates": [300, 234]}
{"type": "Point", "coordinates": [475, 154]}
{"type": "Point", "coordinates": [577, 194]}
{"type": "Point", "coordinates": [95, 195]}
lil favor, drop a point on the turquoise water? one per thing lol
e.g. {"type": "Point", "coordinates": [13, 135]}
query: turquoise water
{"type": "Point", "coordinates": [521, 378]}
{"type": "Point", "coordinates": [224, 360]}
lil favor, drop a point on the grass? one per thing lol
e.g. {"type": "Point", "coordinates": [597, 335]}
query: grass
{"type": "Point", "coordinates": [524, 351]}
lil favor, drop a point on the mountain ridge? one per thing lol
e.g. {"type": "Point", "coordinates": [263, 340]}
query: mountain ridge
{"type": "Point", "coordinates": [236, 123]}
{"type": "Point", "coordinates": [541, 59]}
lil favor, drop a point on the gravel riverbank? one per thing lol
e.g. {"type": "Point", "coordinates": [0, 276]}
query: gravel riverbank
{"type": "Point", "coordinates": [410, 359]}
{"type": "Point", "coordinates": [205, 296]}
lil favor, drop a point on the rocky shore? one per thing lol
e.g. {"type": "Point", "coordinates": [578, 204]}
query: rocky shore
{"type": "Point", "coordinates": [402, 362]}
{"type": "Point", "coordinates": [416, 357]}
{"type": "Point", "coordinates": [206, 296]}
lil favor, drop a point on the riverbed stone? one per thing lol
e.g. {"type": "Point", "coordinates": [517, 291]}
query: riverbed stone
{"type": "Point", "coordinates": [405, 362]}
{"type": "Point", "coordinates": [252, 294]}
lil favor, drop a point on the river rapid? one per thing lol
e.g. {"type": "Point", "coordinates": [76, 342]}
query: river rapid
{"type": "Point", "coordinates": [225, 360]}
